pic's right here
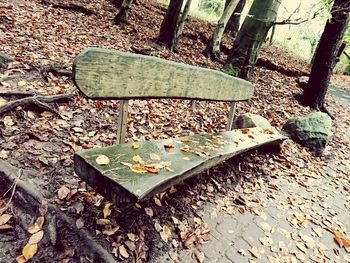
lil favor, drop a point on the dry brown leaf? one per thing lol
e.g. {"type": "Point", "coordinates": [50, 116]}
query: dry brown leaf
{"type": "Point", "coordinates": [102, 160]}
{"type": "Point", "coordinates": [341, 239]}
{"type": "Point", "coordinates": [132, 237]}
{"type": "Point", "coordinates": [109, 230]}
{"type": "Point", "coordinates": [5, 227]}
{"type": "Point", "coordinates": [106, 210]}
{"type": "Point", "coordinates": [198, 256]}
{"type": "Point", "coordinates": [4, 219]}
{"type": "Point", "coordinates": [29, 251]}
{"type": "Point", "coordinates": [36, 238]}
{"type": "Point", "coordinates": [63, 192]}
{"type": "Point", "coordinates": [21, 259]}
{"type": "Point", "coordinates": [103, 221]}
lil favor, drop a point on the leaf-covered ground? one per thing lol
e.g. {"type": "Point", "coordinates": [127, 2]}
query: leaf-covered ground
{"type": "Point", "coordinates": [41, 38]}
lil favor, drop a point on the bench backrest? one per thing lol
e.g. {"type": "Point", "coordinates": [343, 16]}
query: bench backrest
{"type": "Point", "coordinates": [106, 74]}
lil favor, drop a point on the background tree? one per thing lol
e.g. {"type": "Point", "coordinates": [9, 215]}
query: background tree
{"type": "Point", "coordinates": [122, 17]}
{"type": "Point", "coordinates": [213, 48]}
{"type": "Point", "coordinates": [183, 18]}
{"type": "Point", "coordinates": [233, 23]}
{"type": "Point", "coordinates": [167, 32]}
{"type": "Point", "coordinates": [244, 54]}
{"type": "Point", "coordinates": [325, 56]}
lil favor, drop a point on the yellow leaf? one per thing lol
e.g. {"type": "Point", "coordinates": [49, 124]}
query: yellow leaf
{"type": "Point", "coordinates": [154, 156]}
{"type": "Point", "coordinates": [102, 160]}
{"type": "Point", "coordinates": [21, 259]}
{"type": "Point", "coordinates": [135, 146]}
{"type": "Point", "coordinates": [149, 211]}
{"type": "Point", "coordinates": [4, 219]}
{"type": "Point", "coordinates": [37, 225]}
{"type": "Point", "coordinates": [123, 252]}
{"type": "Point", "coordinates": [29, 251]}
{"type": "Point", "coordinates": [136, 168]}
{"type": "Point", "coordinates": [165, 234]}
{"type": "Point", "coordinates": [138, 159]}
{"type": "Point", "coordinates": [106, 210]}
{"type": "Point", "coordinates": [36, 238]}
{"type": "Point", "coordinates": [157, 201]}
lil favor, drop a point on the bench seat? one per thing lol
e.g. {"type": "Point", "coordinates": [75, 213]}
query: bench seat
{"type": "Point", "coordinates": [136, 171]}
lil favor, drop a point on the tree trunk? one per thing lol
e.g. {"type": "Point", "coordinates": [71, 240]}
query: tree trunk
{"type": "Point", "coordinates": [325, 56]}
{"type": "Point", "coordinates": [183, 17]}
{"type": "Point", "coordinates": [233, 23]}
{"type": "Point", "coordinates": [167, 32]}
{"type": "Point", "coordinates": [213, 48]}
{"type": "Point", "coordinates": [250, 37]}
{"type": "Point", "coordinates": [121, 18]}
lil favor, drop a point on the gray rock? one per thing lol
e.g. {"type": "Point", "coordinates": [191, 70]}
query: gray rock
{"type": "Point", "coordinates": [4, 58]}
{"type": "Point", "coordinates": [250, 120]}
{"type": "Point", "coordinates": [314, 130]}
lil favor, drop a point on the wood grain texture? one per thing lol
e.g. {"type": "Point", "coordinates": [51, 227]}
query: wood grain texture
{"type": "Point", "coordinates": [107, 74]}
{"type": "Point", "coordinates": [116, 181]}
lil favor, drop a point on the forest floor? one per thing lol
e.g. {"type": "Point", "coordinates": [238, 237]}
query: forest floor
{"type": "Point", "coordinates": [262, 207]}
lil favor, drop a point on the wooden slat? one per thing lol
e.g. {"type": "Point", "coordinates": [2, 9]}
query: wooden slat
{"type": "Point", "coordinates": [118, 182]}
{"type": "Point", "coordinates": [107, 74]}
{"type": "Point", "coordinates": [122, 121]}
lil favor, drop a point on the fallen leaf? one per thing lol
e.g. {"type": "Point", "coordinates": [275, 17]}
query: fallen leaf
{"type": "Point", "coordinates": [29, 251]}
{"type": "Point", "coordinates": [36, 238]}
{"type": "Point", "coordinates": [103, 221]}
{"type": "Point", "coordinates": [4, 219]}
{"type": "Point", "coordinates": [8, 121]}
{"type": "Point", "coordinates": [157, 227]}
{"type": "Point", "coordinates": [123, 252]}
{"type": "Point", "coordinates": [149, 211]}
{"type": "Point", "coordinates": [5, 227]}
{"type": "Point", "coordinates": [198, 256]}
{"type": "Point", "coordinates": [4, 154]}
{"type": "Point", "coordinates": [135, 146]}
{"type": "Point", "coordinates": [21, 259]}
{"type": "Point", "coordinates": [341, 239]}
{"type": "Point", "coordinates": [102, 160]}
{"type": "Point", "coordinates": [110, 230]}
{"type": "Point", "coordinates": [63, 192]}
{"type": "Point", "coordinates": [37, 225]}
{"type": "Point", "coordinates": [242, 252]}
{"type": "Point", "coordinates": [106, 210]}
{"type": "Point", "coordinates": [79, 223]}
{"type": "Point", "coordinates": [255, 252]}
{"type": "Point", "coordinates": [132, 237]}
{"type": "Point", "coordinates": [165, 234]}
{"type": "Point", "coordinates": [157, 201]}
{"type": "Point", "coordinates": [136, 168]}
{"type": "Point", "coordinates": [138, 159]}
{"type": "Point", "coordinates": [154, 156]}
{"type": "Point", "coordinates": [126, 164]}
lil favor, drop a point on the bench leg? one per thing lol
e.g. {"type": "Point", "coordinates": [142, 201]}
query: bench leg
{"type": "Point", "coordinates": [231, 116]}
{"type": "Point", "coordinates": [122, 121]}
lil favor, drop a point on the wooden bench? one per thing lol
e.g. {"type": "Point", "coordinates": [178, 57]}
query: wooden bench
{"type": "Point", "coordinates": [128, 172]}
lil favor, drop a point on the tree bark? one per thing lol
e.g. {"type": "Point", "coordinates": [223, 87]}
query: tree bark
{"type": "Point", "coordinates": [232, 26]}
{"type": "Point", "coordinates": [167, 32]}
{"type": "Point", "coordinates": [325, 56]}
{"type": "Point", "coordinates": [183, 18]}
{"type": "Point", "coordinates": [247, 45]}
{"type": "Point", "coordinates": [122, 17]}
{"type": "Point", "coordinates": [213, 48]}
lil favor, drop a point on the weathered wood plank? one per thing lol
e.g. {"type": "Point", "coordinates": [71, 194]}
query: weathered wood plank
{"type": "Point", "coordinates": [107, 74]}
{"type": "Point", "coordinates": [119, 183]}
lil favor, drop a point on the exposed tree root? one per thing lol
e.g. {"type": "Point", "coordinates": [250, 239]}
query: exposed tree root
{"type": "Point", "coordinates": [55, 71]}
{"type": "Point", "coordinates": [38, 100]}
{"type": "Point", "coordinates": [271, 66]}
{"type": "Point", "coordinates": [30, 197]}
{"type": "Point", "coordinates": [72, 7]}
{"type": "Point", "coordinates": [17, 93]}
